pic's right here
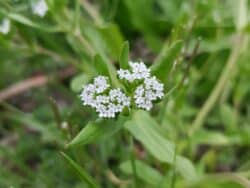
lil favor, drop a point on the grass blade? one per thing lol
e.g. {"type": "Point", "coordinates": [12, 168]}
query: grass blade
{"type": "Point", "coordinates": [80, 171]}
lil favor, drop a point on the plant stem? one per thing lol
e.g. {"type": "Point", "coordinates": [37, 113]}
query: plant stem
{"type": "Point", "coordinates": [174, 169]}
{"type": "Point", "coordinates": [224, 78]}
{"type": "Point", "coordinates": [226, 74]}
{"type": "Point", "coordinates": [77, 14]}
{"type": "Point", "coordinates": [92, 12]}
{"type": "Point", "coordinates": [132, 159]}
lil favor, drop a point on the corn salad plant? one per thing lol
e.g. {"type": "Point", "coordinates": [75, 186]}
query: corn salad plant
{"type": "Point", "coordinates": [133, 93]}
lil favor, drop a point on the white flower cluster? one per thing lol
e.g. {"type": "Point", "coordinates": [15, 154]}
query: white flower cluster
{"type": "Point", "coordinates": [109, 102]}
{"type": "Point", "coordinates": [106, 105]}
{"type": "Point", "coordinates": [40, 8]}
{"type": "Point", "coordinates": [150, 90]}
{"type": "Point", "coordinates": [139, 71]}
{"type": "Point", "coordinates": [5, 26]}
{"type": "Point", "coordinates": [147, 92]}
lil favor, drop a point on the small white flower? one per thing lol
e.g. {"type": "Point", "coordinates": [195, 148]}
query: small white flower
{"type": "Point", "coordinates": [107, 106]}
{"type": "Point", "coordinates": [153, 85]}
{"type": "Point", "coordinates": [148, 92]}
{"type": "Point", "coordinates": [125, 74]}
{"type": "Point", "coordinates": [5, 26]}
{"type": "Point", "coordinates": [87, 95]}
{"type": "Point", "coordinates": [139, 71]}
{"type": "Point", "coordinates": [40, 8]}
{"type": "Point", "coordinates": [64, 125]}
{"type": "Point", "coordinates": [101, 99]}
{"type": "Point", "coordinates": [101, 83]}
{"type": "Point", "coordinates": [118, 97]}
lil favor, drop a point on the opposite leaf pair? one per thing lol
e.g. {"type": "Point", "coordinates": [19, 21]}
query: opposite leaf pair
{"type": "Point", "coordinates": [108, 102]}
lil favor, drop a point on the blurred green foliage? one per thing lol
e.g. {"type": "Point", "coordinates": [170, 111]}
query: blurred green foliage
{"type": "Point", "coordinates": [197, 136]}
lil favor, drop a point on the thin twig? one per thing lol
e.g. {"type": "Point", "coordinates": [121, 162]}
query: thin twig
{"type": "Point", "coordinates": [132, 160]}
{"type": "Point", "coordinates": [56, 111]}
{"type": "Point", "coordinates": [187, 68]}
{"type": "Point", "coordinates": [115, 180]}
{"type": "Point", "coordinates": [33, 82]}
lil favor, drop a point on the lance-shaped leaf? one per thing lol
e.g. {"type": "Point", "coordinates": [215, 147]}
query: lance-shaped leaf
{"type": "Point", "coordinates": [97, 130]}
{"type": "Point", "coordinates": [100, 65]}
{"type": "Point", "coordinates": [103, 67]}
{"type": "Point", "coordinates": [26, 21]}
{"type": "Point", "coordinates": [112, 38]}
{"type": "Point", "coordinates": [144, 172]}
{"type": "Point", "coordinates": [146, 130]}
{"type": "Point", "coordinates": [124, 56]}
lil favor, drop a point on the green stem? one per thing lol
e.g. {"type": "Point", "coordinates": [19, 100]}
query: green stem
{"type": "Point", "coordinates": [77, 15]}
{"type": "Point", "coordinates": [174, 169]}
{"type": "Point", "coordinates": [132, 159]}
{"type": "Point", "coordinates": [220, 85]}
{"type": "Point", "coordinates": [226, 74]}
{"type": "Point", "coordinates": [92, 12]}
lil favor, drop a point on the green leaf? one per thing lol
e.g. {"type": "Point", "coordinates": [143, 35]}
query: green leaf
{"type": "Point", "coordinates": [79, 48]}
{"type": "Point", "coordinates": [26, 21]}
{"type": "Point", "coordinates": [211, 138]}
{"type": "Point", "coordinates": [165, 60]}
{"type": "Point", "coordinates": [103, 67]}
{"type": "Point", "coordinates": [80, 171]}
{"type": "Point", "coordinates": [232, 180]}
{"type": "Point", "coordinates": [143, 171]}
{"type": "Point", "coordinates": [142, 127]}
{"type": "Point", "coordinates": [144, 21]}
{"type": "Point", "coordinates": [228, 117]}
{"type": "Point", "coordinates": [97, 130]}
{"type": "Point", "coordinates": [186, 168]}
{"type": "Point", "coordinates": [78, 82]}
{"type": "Point", "coordinates": [146, 130]}
{"type": "Point", "coordinates": [112, 38]}
{"type": "Point", "coordinates": [100, 65]}
{"type": "Point", "coordinates": [124, 56]}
